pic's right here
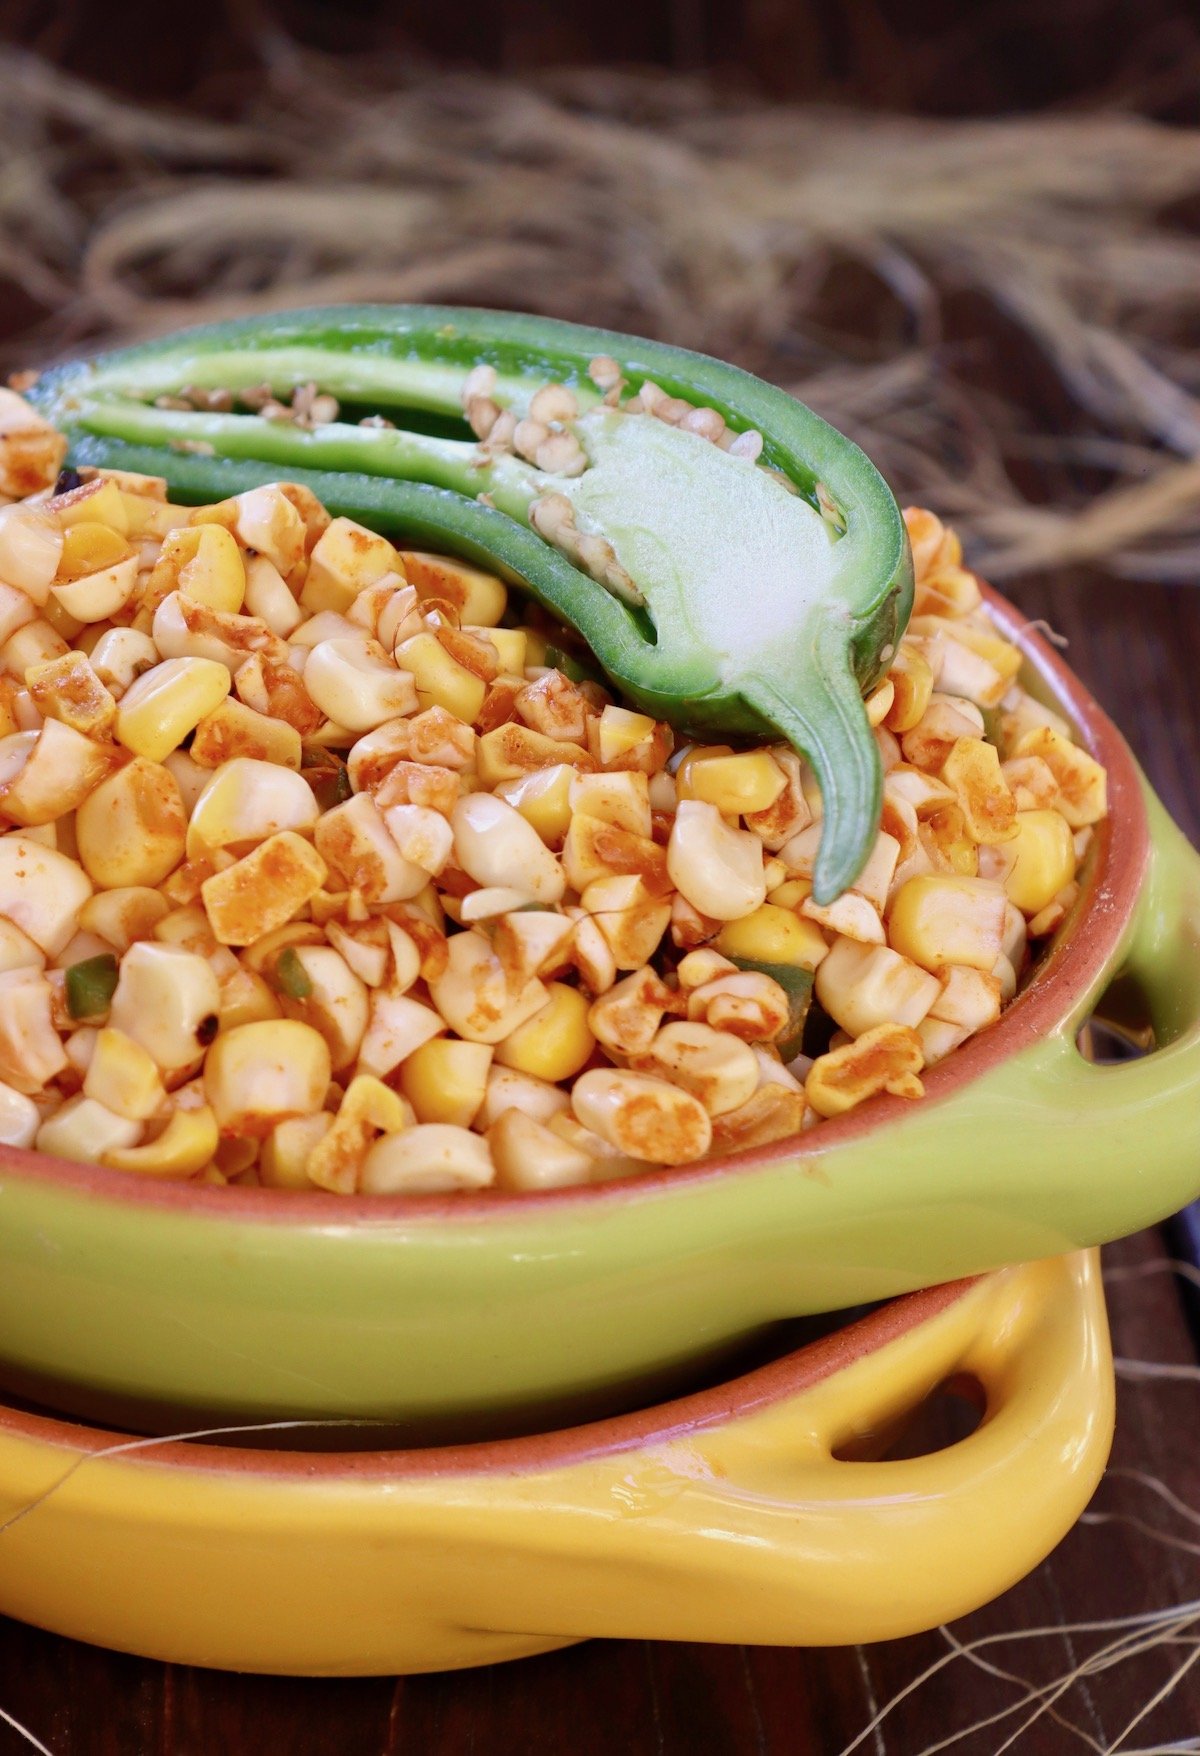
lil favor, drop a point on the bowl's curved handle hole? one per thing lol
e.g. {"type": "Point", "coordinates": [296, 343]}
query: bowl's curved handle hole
{"type": "Point", "coordinates": [1121, 1027]}
{"type": "Point", "coordinates": [949, 1414]}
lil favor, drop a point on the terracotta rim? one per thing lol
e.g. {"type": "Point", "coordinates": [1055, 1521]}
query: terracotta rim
{"type": "Point", "coordinates": [718, 1406]}
{"type": "Point", "coordinates": [1074, 965]}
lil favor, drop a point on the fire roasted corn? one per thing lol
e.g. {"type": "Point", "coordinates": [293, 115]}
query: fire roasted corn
{"type": "Point", "coordinates": [317, 872]}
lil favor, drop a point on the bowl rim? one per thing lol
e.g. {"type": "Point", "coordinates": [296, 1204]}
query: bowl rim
{"type": "Point", "coordinates": [1073, 965]}
{"type": "Point", "coordinates": [661, 1423]}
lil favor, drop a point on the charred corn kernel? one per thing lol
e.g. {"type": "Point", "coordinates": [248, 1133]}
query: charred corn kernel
{"type": "Point", "coordinates": [645, 1117]}
{"type": "Point", "coordinates": [718, 869]}
{"type": "Point", "coordinates": [233, 730]}
{"type": "Point", "coordinates": [185, 1146]}
{"type": "Point", "coordinates": [34, 643]}
{"type": "Point", "coordinates": [68, 689]}
{"type": "Point", "coordinates": [20, 1118]}
{"type": "Point", "coordinates": [59, 769]}
{"type": "Point", "coordinates": [621, 731]}
{"type": "Point", "coordinates": [512, 752]}
{"type": "Point", "coordinates": [631, 917]}
{"type": "Point", "coordinates": [266, 521]}
{"type": "Point", "coordinates": [335, 1003]}
{"type": "Point", "coordinates": [41, 892]}
{"type": "Point", "coordinates": [495, 845]}
{"type": "Point", "coordinates": [543, 799]}
{"type": "Point", "coordinates": [123, 1076]}
{"type": "Point", "coordinates": [718, 1069]}
{"type": "Point", "coordinates": [440, 680]}
{"type": "Point", "coordinates": [131, 830]}
{"type": "Point", "coordinates": [473, 995]}
{"type": "Point", "coordinates": [479, 597]}
{"type": "Point", "coordinates": [528, 1155]}
{"type": "Point", "coordinates": [750, 781]}
{"type": "Point", "coordinates": [1043, 860]}
{"type": "Point", "coordinates": [397, 1027]}
{"type": "Point", "coordinates": [509, 1090]}
{"type": "Point", "coordinates": [87, 1131]}
{"type": "Point", "coordinates": [31, 1052]}
{"type": "Point", "coordinates": [354, 841]}
{"type": "Point", "coordinates": [167, 1000]}
{"type": "Point", "coordinates": [1082, 782]}
{"type": "Point", "coordinates": [358, 687]}
{"type": "Point", "coordinates": [258, 1074]}
{"type": "Point", "coordinates": [946, 919]}
{"type": "Point", "coordinates": [246, 999]}
{"type": "Point", "coordinates": [263, 890]}
{"type": "Point", "coordinates": [268, 597]}
{"type": "Point", "coordinates": [972, 768]}
{"type": "Point", "coordinates": [510, 645]}
{"type": "Point", "coordinates": [248, 800]}
{"type": "Point", "coordinates": [97, 573]}
{"type": "Point", "coordinates": [164, 704]}
{"type": "Point", "coordinates": [120, 655]}
{"type": "Point", "coordinates": [861, 986]}
{"type": "Point", "coordinates": [432, 1158]}
{"type": "Point", "coordinates": [887, 1058]}
{"type": "Point", "coordinates": [31, 544]}
{"type": "Point", "coordinates": [283, 1162]}
{"type": "Point", "coordinates": [555, 1042]}
{"type": "Point", "coordinates": [849, 914]}
{"type": "Point", "coordinates": [773, 934]}
{"type": "Point", "coordinates": [446, 1080]}
{"type": "Point", "coordinates": [123, 915]}
{"type": "Point", "coordinates": [622, 799]}
{"type": "Point", "coordinates": [346, 559]}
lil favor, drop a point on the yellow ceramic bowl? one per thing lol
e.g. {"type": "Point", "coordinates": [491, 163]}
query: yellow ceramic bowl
{"type": "Point", "coordinates": [729, 1516]}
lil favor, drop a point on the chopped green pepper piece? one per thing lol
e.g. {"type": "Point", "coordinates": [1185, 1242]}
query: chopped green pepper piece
{"type": "Point", "coordinates": [797, 984]}
{"type": "Point", "coordinates": [291, 977]}
{"type": "Point", "coordinates": [328, 777]}
{"type": "Point", "coordinates": [90, 985]}
{"type": "Point", "coordinates": [738, 597]}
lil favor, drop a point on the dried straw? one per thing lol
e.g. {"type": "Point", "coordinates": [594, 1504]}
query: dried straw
{"type": "Point", "coordinates": [835, 251]}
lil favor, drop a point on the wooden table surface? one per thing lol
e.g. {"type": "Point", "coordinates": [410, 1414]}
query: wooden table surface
{"type": "Point", "coordinates": [1138, 647]}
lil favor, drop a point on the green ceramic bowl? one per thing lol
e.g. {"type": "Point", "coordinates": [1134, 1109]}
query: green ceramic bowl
{"type": "Point", "coordinates": [131, 1300]}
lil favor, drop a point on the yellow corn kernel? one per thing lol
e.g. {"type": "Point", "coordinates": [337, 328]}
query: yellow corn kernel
{"type": "Point", "coordinates": [157, 712]}
{"type": "Point", "coordinates": [185, 1146]}
{"type": "Point", "coordinates": [283, 1161]}
{"type": "Point", "coordinates": [511, 645]}
{"type": "Point", "coordinates": [973, 769]}
{"type": "Point", "coordinates": [132, 829]}
{"type": "Point", "coordinates": [774, 933]}
{"type": "Point", "coordinates": [943, 918]}
{"type": "Point", "coordinates": [717, 869]}
{"type": "Point", "coordinates": [68, 689]}
{"type": "Point", "coordinates": [123, 1076]}
{"type": "Point", "coordinates": [96, 502]}
{"type": "Point", "coordinates": [543, 799]}
{"type": "Point", "coordinates": [1082, 782]}
{"type": "Point", "coordinates": [247, 800]}
{"type": "Point", "coordinates": [232, 730]}
{"type": "Point", "coordinates": [620, 730]}
{"type": "Point", "coordinates": [791, 894]}
{"type": "Point", "coordinates": [202, 562]}
{"type": "Point", "coordinates": [1043, 861]}
{"type": "Point", "coordinates": [97, 572]}
{"type": "Point", "coordinates": [368, 1109]}
{"type": "Point", "coordinates": [948, 842]}
{"type": "Point", "coordinates": [147, 518]}
{"type": "Point", "coordinates": [513, 752]}
{"type": "Point", "coordinates": [263, 890]}
{"type": "Point", "coordinates": [479, 597]}
{"type": "Point", "coordinates": [445, 1080]}
{"type": "Point", "coordinates": [750, 781]}
{"type": "Point", "coordinates": [441, 681]}
{"type": "Point", "coordinates": [528, 1155]}
{"type": "Point", "coordinates": [258, 1074]}
{"type": "Point", "coordinates": [246, 999]}
{"type": "Point", "coordinates": [346, 559]}
{"type": "Point", "coordinates": [66, 626]}
{"type": "Point", "coordinates": [555, 1042]}
{"type": "Point", "coordinates": [622, 799]}
{"type": "Point", "coordinates": [887, 1058]}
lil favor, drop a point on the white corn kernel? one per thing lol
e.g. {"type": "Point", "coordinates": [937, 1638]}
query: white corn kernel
{"type": "Point", "coordinates": [718, 1069]}
{"type": "Point", "coordinates": [528, 1155]}
{"type": "Point", "coordinates": [257, 1075]}
{"type": "Point", "coordinates": [397, 1026]}
{"type": "Point", "coordinates": [508, 1089]}
{"type": "Point", "coordinates": [41, 892]}
{"type": "Point", "coordinates": [31, 544]}
{"type": "Point", "coordinates": [84, 1130]}
{"type": "Point", "coordinates": [861, 986]}
{"type": "Point", "coordinates": [357, 687]}
{"type": "Point", "coordinates": [354, 841]}
{"type": "Point", "coordinates": [432, 1158]}
{"type": "Point", "coordinates": [473, 994]}
{"type": "Point", "coordinates": [268, 523]}
{"type": "Point", "coordinates": [131, 830]}
{"type": "Point", "coordinates": [31, 1051]}
{"type": "Point", "coordinates": [336, 1005]}
{"type": "Point", "coordinates": [718, 870]}
{"type": "Point", "coordinates": [423, 836]}
{"type": "Point", "coordinates": [120, 655]}
{"type": "Point", "coordinates": [247, 800]}
{"type": "Point", "coordinates": [641, 1116]}
{"type": "Point", "coordinates": [167, 1000]}
{"type": "Point", "coordinates": [268, 597]}
{"type": "Point", "coordinates": [495, 845]}
{"type": "Point", "coordinates": [124, 1076]}
{"type": "Point", "coordinates": [20, 1118]}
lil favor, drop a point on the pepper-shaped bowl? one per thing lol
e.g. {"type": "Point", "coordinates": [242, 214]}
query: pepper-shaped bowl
{"type": "Point", "coordinates": [734, 1515]}
{"type": "Point", "coordinates": [127, 1299]}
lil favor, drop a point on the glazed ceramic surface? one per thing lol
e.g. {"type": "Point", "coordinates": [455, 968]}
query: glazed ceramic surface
{"type": "Point", "coordinates": [725, 1517]}
{"type": "Point", "coordinates": [118, 1293]}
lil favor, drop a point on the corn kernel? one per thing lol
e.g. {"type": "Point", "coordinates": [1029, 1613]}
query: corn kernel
{"type": "Point", "coordinates": [479, 597]}
{"type": "Point", "coordinates": [122, 1075]}
{"type": "Point", "coordinates": [642, 1116]}
{"type": "Point", "coordinates": [263, 890]}
{"type": "Point", "coordinates": [495, 845]}
{"type": "Point", "coordinates": [283, 1162]}
{"type": "Point", "coordinates": [131, 830]}
{"type": "Point", "coordinates": [887, 1058]}
{"type": "Point", "coordinates": [440, 680]}
{"type": "Point", "coordinates": [97, 573]}
{"type": "Point", "coordinates": [543, 799]}
{"type": "Point", "coordinates": [621, 731]}
{"type": "Point", "coordinates": [167, 1000]}
{"type": "Point", "coordinates": [972, 768]}
{"type": "Point", "coordinates": [718, 1069]}
{"type": "Point", "coordinates": [622, 799]}
{"type": "Point", "coordinates": [86, 1131]}
{"type": "Point", "coordinates": [861, 986]}
{"type": "Point", "coordinates": [185, 1146]}
{"type": "Point", "coordinates": [945, 919]}
{"type": "Point", "coordinates": [157, 712]}
{"type": "Point", "coordinates": [247, 800]}
{"type": "Point", "coordinates": [432, 1158]}
{"type": "Point", "coordinates": [774, 933]}
{"type": "Point", "coordinates": [734, 784]}
{"type": "Point", "coordinates": [555, 1042]}
{"type": "Point", "coordinates": [346, 560]}
{"type": "Point", "coordinates": [1043, 860]}
{"type": "Point", "coordinates": [445, 1080]}
{"type": "Point", "coordinates": [258, 1074]}
{"type": "Point", "coordinates": [68, 689]}
{"type": "Point", "coordinates": [202, 562]}
{"type": "Point", "coordinates": [718, 870]}
{"type": "Point", "coordinates": [1082, 782]}
{"type": "Point", "coordinates": [528, 1155]}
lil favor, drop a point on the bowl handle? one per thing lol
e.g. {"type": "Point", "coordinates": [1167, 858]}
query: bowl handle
{"type": "Point", "coordinates": [758, 1531]}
